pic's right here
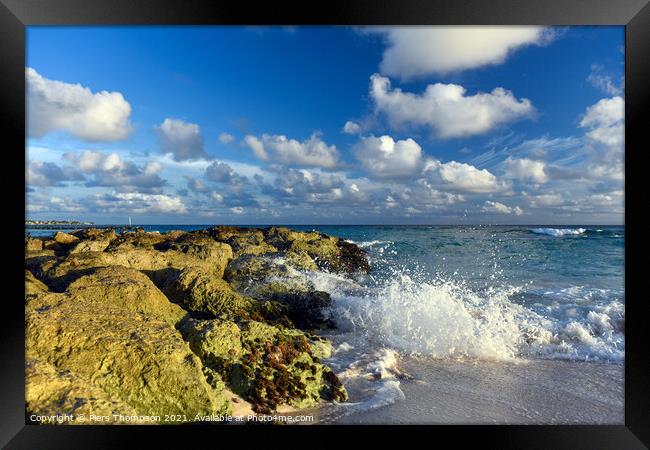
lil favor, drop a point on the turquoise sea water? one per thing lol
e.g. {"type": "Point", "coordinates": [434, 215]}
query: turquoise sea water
{"type": "Point", "coordinates": [486, 292]}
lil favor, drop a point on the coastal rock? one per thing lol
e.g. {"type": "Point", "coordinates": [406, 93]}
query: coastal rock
{"type": "Point", "coordinates": [244, 241]}
{"type": "Point", "coordinates": [33, 286]}
{"type": "Point", "coordinates": [40, 263]}
{"type": "Point", "coordinates": [122, 344]}
{"type": "Point", "coordinates": [33, 245]}
{"type": "Point", "coordinates": [129, 241]}
{"type": "Point", "coordinates": [96, 234]}
{"type": "Point", "coordinates": [328, 252]}
{"type": "Point", "coordinates": [282, 237]}
{"type": "Point", "coordinates": [266, 365]}
{"type": "Point", "coordinates": [98, 245]}
{"type": "Point", "coordinates": [215, 342]}
{"type": "Point", "coordinates": [157, 323]}
{"type": "Point", "coordinates": [205, 254]}
{"type": "Point", "coordinates": [49, 391]}
{"type": "Point", "coordinates": [174, 234]}
{"type": "Point", "coordinates": [65, 238]}
{"type": "Point", "coordinates": [199, 291]}
{"type": "Point", "coordinates": [274, 279]}
{"type": "Point", "coordinates": [127, 289]}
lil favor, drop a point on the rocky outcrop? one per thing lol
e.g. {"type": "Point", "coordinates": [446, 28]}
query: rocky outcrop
{"type": "Point", "coordinates": [267, 364]}
{"type": "Point", "coordinates": [65, 238]}
{"type": "Point", "coordinates": [179, 322]}
{"type": "Point", "coordinates": [117, 335]}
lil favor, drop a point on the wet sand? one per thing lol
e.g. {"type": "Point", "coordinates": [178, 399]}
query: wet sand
{"type": "Point", "coordinates": [481, 392]}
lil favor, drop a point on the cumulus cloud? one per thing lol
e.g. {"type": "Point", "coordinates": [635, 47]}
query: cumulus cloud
{"type": "Point", "coordinates": [383, 157]}
{"type": "Point", "coordinates": [421, 194]}
{"type": "Point", "coordinates": [416, 51]}
{"type": "Point", "coordinates": [138, 202]}
{"type": "Point", "coordinates": [182, 139]}
{"type": "Point", "coordinates": [195, 185]}
{"type": "Point", "coordinates": [111, 170]}
{"type": "Point", "coordinates": [220, 172]}
{"type": "Point", "coordinates": [351, 127]}
{"type": "Point", "coordinates": [291, 152]}
{"type": "Point", "coordinates": [257, 147]}
{"type": "Point", "coordinates": [604, 120]}
{"type": "Point", "coordinates": [42, 174]}
{"type": "Point", "coordinates": [463, 177]}
{"type": "Point", "coordinates": [552, 199]}
{"type": "Point", "coordinates": [526, 169]}
{"type": "Point", "coordinates": [499, 208]}
{"type": "Point", "coordinates": [42, 202]}
{"type": "Point", "coordinates": [59, 106]}
{"type": "Point", "coordinates": [226, 138]}
{"type": "Point", "coordinates": [446, 109]}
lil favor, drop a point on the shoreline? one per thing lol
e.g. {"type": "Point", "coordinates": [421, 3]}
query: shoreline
{"type": "Point", "coordinates": [481, 392]}
{"type": "Point", "coordinates": [256, 334]}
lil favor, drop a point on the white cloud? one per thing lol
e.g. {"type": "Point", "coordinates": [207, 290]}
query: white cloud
{"type": "Point", "coordinates": [220, 172]}
{"type": "Point", "coordinates": [383, 157]}
{"type": "Point", "coordinates": [601, 81]}
{"type": "Point", "coordinates": [182, 139]}
{"type": "Point", "coordinates": [196, 185]}
{"type": "Point", "coordinates": [351, 127]}
{"type": "Point", "coordinates": [446, 109]}
{"type": "Point", "coordinates": [550, 199]}
{"type": "Point", "coordinates": [147, 203]}
{"type": "Point", "coordinates": [604, 120]}
{"type": "Point", "coordinates": [526, 169]}
{"type": "Point", "coordinates": [499, 208]}
{"type": "Point", "coordinates": [416, 51]}
{"type": "Point", "coordinates": [226, 138]}
{"type": "Point", "coordinates": [257, 147]}
{"type": "Point", "coordinates": [40, 173]}
{"type": "Point", "coordinates": [463, 177]}
{"type": "Point", "coordinates": [110, 169]}
{"type": "Point", "coordinates": [280, 149]}
{"type": "Point", "coordinates": [59, 106]}
{"type": "Point", "coordinates": [237, 210]}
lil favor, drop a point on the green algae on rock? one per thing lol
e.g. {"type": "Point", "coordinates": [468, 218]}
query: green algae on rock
{"type": "Point", "coordinates": [265, 364]}
{"type": "Point", "coordinates": [169, 323]}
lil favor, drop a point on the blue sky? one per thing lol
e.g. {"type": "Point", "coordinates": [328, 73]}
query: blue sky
{"type": "Point", "coordinates": [317, 125]}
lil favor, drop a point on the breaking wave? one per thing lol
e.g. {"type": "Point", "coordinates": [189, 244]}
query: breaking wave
{"type": "Point", "coordinates": [557, 232]}
{"type": "Point", "coordinates": [447, 319]}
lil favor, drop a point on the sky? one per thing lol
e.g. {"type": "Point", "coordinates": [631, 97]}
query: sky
{"type": "Point", "coordinates": [325, 125]}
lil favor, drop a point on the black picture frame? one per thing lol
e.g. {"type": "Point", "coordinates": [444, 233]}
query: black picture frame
{"type": "Point", "coordinates": [15, 15]}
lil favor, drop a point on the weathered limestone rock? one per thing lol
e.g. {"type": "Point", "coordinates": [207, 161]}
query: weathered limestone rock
{"type": "Point", "coordinates": [143, 323]}
{"type": "Point", "coordinates": [273, 279]}
{"type": "Point", "coordinates": [266, 365]}
{"type": "Point", "coordinates": [199, 291]}
{"type": "Point", "coordinates": [205, 254]}
{"type": "Point", "coordinates": [128, 289]}
{"type": "Point", "coordinates": [96, 234]}
{"type": "Point", "coordinates": [244, 241]}
{"type": "Point", "coordinates": [65, 238]}
{"type": "Point", "coordinates": [98, 245]}
{"type": "Point", "coordinates": [121, 343]}
{"type": "Point", "coordinates": [33, 245]}
{"type": "Point", "coordinates": [50, 391]}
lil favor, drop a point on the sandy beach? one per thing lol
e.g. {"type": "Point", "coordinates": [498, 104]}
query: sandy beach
{"type": "Point", "coordinates": [484, 392]}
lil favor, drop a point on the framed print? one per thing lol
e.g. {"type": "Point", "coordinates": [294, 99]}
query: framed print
{"type": "Point", "coordinates": [392, 217]}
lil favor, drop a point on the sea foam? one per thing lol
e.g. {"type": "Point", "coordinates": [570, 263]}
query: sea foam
{"type": "Point", "coordinates": [447, 319]}
{"type": "Point", "coordinates": [557, 232]}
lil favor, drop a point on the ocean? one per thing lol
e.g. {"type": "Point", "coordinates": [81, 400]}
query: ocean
{"type": "Point", "coordinates": [441, 299]}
